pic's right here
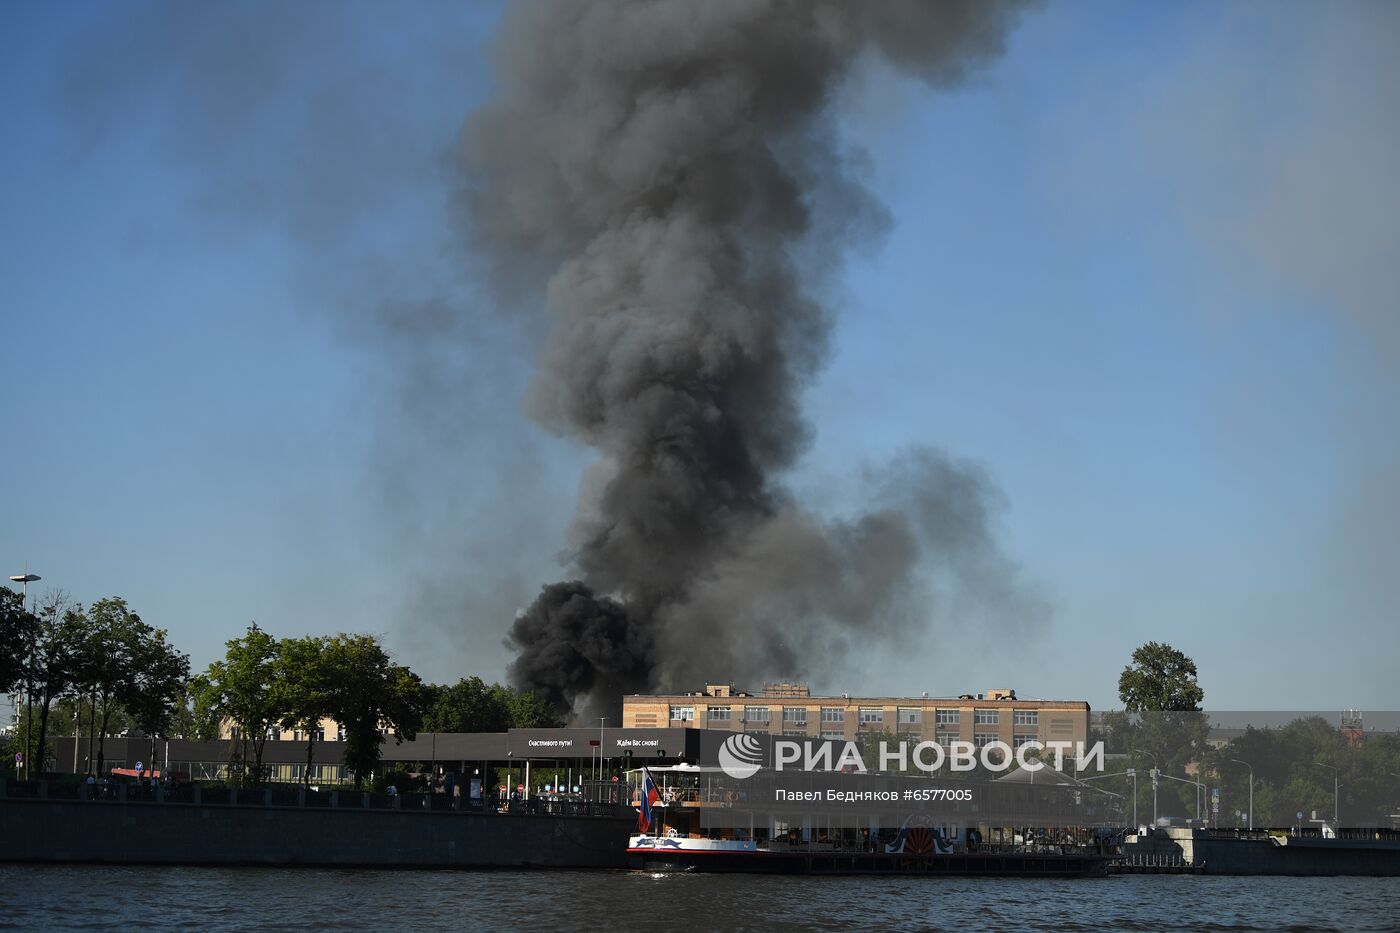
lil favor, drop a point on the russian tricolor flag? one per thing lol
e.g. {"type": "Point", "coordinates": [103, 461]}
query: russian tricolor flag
{"type": "Point", "coordinates": [649, 796]}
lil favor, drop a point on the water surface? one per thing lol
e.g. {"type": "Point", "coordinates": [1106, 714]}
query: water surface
{"type": "Point", "coordinates": [95, 898]}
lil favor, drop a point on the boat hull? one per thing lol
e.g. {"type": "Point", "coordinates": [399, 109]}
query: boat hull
{"type": "Point", "coordinates": [870, 863]}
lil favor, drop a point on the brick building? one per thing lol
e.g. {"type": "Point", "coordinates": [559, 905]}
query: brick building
{"type": "Point", "coordinates": [789, 709]}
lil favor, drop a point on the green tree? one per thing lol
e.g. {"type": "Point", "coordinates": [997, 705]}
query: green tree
{"type": "Point", "coordinates": [372, 695]}
{"type": "Point", "coordinates": [469, 705]}
{"type": "Point", "coordinates": [242, 690]}
{"type": "Point", "coordinates": [18, 627]}
{"type": "Point", "coordinates": [1160, 679]}
{"type": "Point", "coordinates": [1161, 725]}
{"type": "Point", "coordinates": [18, 630]}
{"type": "Point", "coordinates": [1292, 767]}
{"type": "Point", "coordinates": [529, 710]}
{"type": "Point", "coordinates": [55, 661]}
{"type": "Point", "coordinates": [110, 657]}
{"type": "Point", "coordinates": [306, 683]}
{"type": "Point", "coordinates": [156, 692]}
{"type": "Point", "coordinates": [472, 705]}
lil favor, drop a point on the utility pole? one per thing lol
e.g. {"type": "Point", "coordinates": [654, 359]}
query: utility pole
{"type": "Point", "coordinates": [1336, 793]}
{"type": "Point", "coordinates": [1251, 788]}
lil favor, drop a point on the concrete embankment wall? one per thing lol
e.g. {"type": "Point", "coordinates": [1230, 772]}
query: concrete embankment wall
{"type": "Point", "coordinates": [210, 834]}
{"type": "Point", "coordinates": [1257, 854]}
{"type": "Point", "coordinates": [1325, 857]}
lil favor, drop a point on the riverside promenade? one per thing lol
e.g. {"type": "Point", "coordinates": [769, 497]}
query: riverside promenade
{"type": "Point", "coordinates": [52, 822]}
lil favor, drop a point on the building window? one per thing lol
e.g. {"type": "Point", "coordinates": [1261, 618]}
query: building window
{"type": "Point", "coordinates": [719, 714]}
{"type": "Point", "coordinates": [796, 715]}
{"type": "Point", "coordinates": [983, 738]}
{"type": "Point", "coordinates": [756, 714]}
{"type": "Point", "coordinates": [1026, 717]}
{"type": "Point", "coordinates": [910, 716]}
{"type": "Point", "coordinates": [948, 717]}
{"type": "Point", "coordinates": [984, 717]}
{"type": "Point", "coordinates": [1022, 739]}
{"type": "Point", "coordinates": [871, 716]}
{"type": "Point", "coordinates": [833, 714]}
{"type": "Point", "coordinates": [683, 713]}
{"type": "Point", "coordinates": [274, 735]}
{"type": "Point", "coordinates": [946, 739]}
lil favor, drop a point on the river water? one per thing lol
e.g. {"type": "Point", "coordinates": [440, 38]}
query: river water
{"type": "Point", "coordinates": [94, 898]}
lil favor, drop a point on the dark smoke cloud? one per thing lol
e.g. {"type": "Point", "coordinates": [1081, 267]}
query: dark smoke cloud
{"type": "Point", "coordinates": [669, 176]}
{"type": "Point", "coordinates": [582, 643]}
{"type": "Point", "coordinates": [657, 168]}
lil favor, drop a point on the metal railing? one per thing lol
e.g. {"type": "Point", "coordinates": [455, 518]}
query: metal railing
{"type": "Point", "coordinates": [132, 792]}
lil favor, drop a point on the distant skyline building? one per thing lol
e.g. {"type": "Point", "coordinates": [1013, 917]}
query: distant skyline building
{"type": "Point", "coordinates": [789, 709]}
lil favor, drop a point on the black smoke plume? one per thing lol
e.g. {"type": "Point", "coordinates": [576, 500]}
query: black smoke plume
{"type": "Point", "coordinates": [668, 174]}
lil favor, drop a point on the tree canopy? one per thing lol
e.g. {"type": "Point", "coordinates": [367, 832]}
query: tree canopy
{"type": "Point", "coordinates": [1160, 679]}
{"type": "Point", "coordinates": [105, 655]}
{"type": "Point", "coordinates": [472, 705]}
{"type": "Point", "coordinates": [18, 627]}
{"type": "Point", "coordinates": [306, 683]}
{"type": "Point", "coordinates": [371, 696]}
{"type": "Point", "coordinates": [1293, 770]}
{"type": "Point", "coordinates": [157, 692]}
{"type": "Point", "coordinates": [241, 690]}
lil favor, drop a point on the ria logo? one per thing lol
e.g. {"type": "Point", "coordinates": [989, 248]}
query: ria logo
{"type": "Point", "coordinates": [740, 756]}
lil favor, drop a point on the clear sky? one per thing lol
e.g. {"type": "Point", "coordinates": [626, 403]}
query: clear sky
{"type": "Point", "coordinates": [1143, 269]}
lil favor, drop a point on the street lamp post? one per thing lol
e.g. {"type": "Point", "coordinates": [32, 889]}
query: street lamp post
{"type": "Point", "coordinates": [24, 579]}
{"type": "Point", "coordinates": [1153, 775]}
{"type": "Point", "coordinates": [601, 720]}
{"type": "Point", "coordinates": [1336, 792]}
{"type": "Point", "coordinates": [1251, 788]}
{"type": "Point", "coordinates": [1155, 772]}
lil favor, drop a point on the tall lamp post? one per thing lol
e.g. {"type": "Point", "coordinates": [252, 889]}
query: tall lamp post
{"type": "Point", "coordinates": [1251, 788]}
{"type": "Point", "coordinates": [1153, 774]}
{"type": "Point", "coordinates": [24, 579]}
{"type": "Point", "coordinates": [601, 720]}
{"type": "Point", "coordinates": [1336, 792]}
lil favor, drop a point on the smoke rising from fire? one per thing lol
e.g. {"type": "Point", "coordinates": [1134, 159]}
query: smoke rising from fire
{"type": "Point", "coordinates": [656, 169]}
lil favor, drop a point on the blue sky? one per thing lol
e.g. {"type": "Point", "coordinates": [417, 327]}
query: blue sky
{"type": "Point", "coordinates": [1142, 269]}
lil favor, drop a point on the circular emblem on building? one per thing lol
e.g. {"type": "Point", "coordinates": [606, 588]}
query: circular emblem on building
{"type": "Point", "coordinates": [740, 756]}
